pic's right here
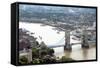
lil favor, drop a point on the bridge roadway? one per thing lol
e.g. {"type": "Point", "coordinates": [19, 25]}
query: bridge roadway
{"type": "Point", "coordinates": [70, 44]}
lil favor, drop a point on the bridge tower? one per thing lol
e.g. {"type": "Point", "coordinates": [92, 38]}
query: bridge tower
{"type": "Point", "coordinates": [67, 41]}
{"type": "Point", "coordinates": [84, 40]}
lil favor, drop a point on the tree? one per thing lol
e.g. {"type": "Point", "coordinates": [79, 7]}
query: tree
{"type": "Point", "coordinates": [43, 53]}
{"type": "Point", "coordinates": [23, 60]}
{"type": "Point", "coordinates": [48, 59]}
{"type": "Point", "coordinates": [35, 53]}
{"type": "Point", "coordinates": [65, 59]}
{"type": "Point", "coordinates": [50, 51]}
{"type": "Point", "coordinates": [35, 61]}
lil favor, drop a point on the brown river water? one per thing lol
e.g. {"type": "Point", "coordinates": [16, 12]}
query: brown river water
{"type": "Point", "coordinates": [77, 53]}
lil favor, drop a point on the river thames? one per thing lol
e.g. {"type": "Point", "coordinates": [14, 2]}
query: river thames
{"type": "Point", "coordinates": [51, 37]}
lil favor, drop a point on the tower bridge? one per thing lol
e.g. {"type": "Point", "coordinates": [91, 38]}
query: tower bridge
{"type": "Point", "coordinates": [84, 40]}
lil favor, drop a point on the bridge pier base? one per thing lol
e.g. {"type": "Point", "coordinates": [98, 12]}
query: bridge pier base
{"type": "Point", "coordinates": [85, 45]}
{"type": "Point", "coordinates": [68, 47]}
{"type": "Point", "coordinates": [85, 39]}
